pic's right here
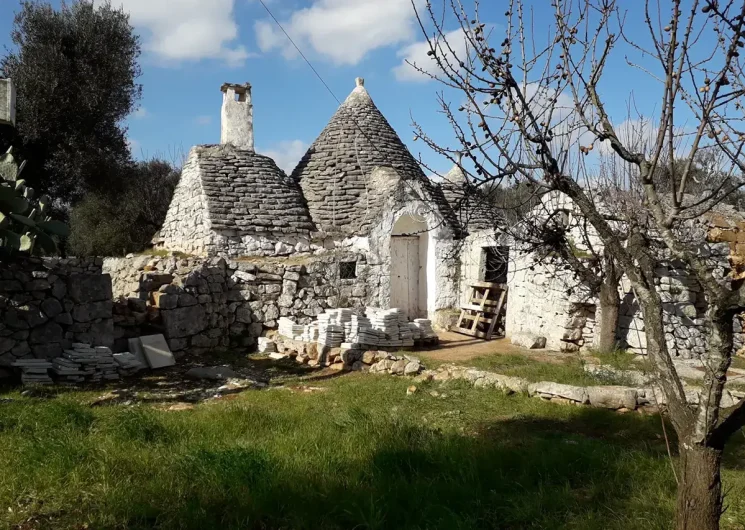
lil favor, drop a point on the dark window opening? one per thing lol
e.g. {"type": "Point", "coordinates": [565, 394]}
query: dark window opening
{"type": "Point", "coordinates": [347, 270]}
{"type": "Point", "coordinates": [240, 96]}
{"type": "Point", "coordinates": [495, 264]}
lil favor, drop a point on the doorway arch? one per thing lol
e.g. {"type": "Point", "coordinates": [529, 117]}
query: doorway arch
{"type": "Point", "coordinates": [411, 266]}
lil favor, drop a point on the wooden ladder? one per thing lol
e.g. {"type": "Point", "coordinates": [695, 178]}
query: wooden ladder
{"type": "Point", "coordinates": [479, 317]}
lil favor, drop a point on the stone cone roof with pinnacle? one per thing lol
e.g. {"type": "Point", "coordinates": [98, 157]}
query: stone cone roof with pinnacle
{"type": "Point", "coordinates": [344, 193]}
{"type": "Point", "coordinates": [472, 207]}
{"type": "Point", "coordinates": [247, 192]}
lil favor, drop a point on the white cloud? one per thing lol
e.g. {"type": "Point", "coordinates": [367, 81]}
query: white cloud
{"type": "Point", "coordinates": [343, 31]}
{"type": "Point", "coordinates": [134, 146]}
{"type": "Point", "coordinates": [416, 54]}
{"type": "Point", "coordinates": [203, 120]}
{"type": "Point", "coordinates": [287, 154]}
{"type": "Point", "coordinates": [185, 30]}
{"type": "Point", "coordinates": [140, 113]}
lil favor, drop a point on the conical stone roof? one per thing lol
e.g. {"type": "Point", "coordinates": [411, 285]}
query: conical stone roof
{"type": "Point", "coordinates": [247, 192]}
{"type": "Point", "coordinates": [337, 175]}
{"type": "Point", "coordinates": [472, 207]}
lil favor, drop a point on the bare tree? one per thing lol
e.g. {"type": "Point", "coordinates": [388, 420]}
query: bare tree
{"type": "Point", "coordinates": [532, 110]}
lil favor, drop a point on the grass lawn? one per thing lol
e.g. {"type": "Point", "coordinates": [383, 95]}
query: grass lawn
{"type": "Point", "coordinates": [356, 452]}
{"type": "Point", "coordinates": [566, 370]}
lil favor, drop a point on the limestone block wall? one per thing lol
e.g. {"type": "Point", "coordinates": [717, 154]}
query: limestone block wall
{"type": "Point", "coordinates": [538, 302]}
{"type": "Point", "coordinates": [201, 305]}
{"type": "Point", "coordinates": [47, 304]}
{"type": "Point", "coordinates": [186, 227]}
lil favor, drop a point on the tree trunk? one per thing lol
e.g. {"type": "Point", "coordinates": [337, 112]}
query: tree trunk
{"type": "Point", "coordinates": [610, 301]}
{"type": "Point", "coordinates": [699, 489]}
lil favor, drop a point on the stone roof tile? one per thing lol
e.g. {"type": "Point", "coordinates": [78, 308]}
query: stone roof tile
{"type": "Point", "coordinates": [247, 191]}
{"type": "Point", "coordinates": [335, 172]}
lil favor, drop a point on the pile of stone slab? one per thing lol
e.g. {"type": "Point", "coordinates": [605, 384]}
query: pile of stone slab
{"type": "Point", "coordinates": [85, 363]}
{"type": "Point", "coordinates": [81, 363]}
{"type": "Point", "coordinates": [424, 328]}
{"type": "Point", "coordinates": [288, 328]}
{"type": "Point", "coordinates": [34, 371]}
{"type": "Point", "coordinates": [128, 363]}
{"type": "Point", "coordinates": [379, 329]}
{"type": "Point", "coordinates": [266, 345]}
{"type": "Point", "coordinates": [331, 327]}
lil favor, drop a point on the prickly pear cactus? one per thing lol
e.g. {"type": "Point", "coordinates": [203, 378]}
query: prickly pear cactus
{"type": "Point", "coordinates": [25, 224]}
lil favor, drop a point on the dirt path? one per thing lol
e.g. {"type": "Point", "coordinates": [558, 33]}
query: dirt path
{"type": "Point", "coordinates": [455, 347]}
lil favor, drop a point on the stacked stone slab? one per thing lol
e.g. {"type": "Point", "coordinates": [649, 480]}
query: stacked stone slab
{"type": "Point", "coordinates": [234, 202]}
{"type": "Point", "coordinates": [34, 371]}
{"type": "Point", "coordinates": [339, 173]}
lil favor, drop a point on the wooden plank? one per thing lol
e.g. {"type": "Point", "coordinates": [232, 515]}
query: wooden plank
{"type": "Point", "coordinates": [488, 285]}
{"type": "Point", "coordinates": [478, 301]}
{"type": "Point", "coordinates": [493, 323]}
{"type": "Point", "coordinates": [475, 307]}
{"type": "Point", "coordinates": [478, 318]}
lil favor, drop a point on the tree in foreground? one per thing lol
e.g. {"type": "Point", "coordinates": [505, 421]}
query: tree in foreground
{"type": "Point", "coordinates": [75, 70]}
{"type": "Point", "coordinates": [532, 110]}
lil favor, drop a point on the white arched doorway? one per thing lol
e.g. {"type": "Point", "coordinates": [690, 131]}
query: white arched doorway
{"type": "Point", "coordinates": [410, 249]}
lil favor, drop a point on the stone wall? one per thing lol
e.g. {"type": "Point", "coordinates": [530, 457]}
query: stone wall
{"type": "Point", "coordinates": [546, 301]}
{"type": "Point", "coordinates": [47, 304]}
{"type": "Point", "coordinates": [202, 305]}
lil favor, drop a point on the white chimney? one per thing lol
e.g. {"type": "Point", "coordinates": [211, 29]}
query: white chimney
{"type": "Point", "coordinates": [7, 102]}
{"type": "Point", "coordinates": [237, 128]}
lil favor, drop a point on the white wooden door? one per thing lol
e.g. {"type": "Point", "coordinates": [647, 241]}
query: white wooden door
{"type": "Point", "coordinates": [405, 274]}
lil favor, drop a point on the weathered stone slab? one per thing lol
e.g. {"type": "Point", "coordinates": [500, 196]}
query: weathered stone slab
{"type": "Point", "coordinates": [550, 389]}
{"type": "Point", "coordinates": [612, 397]}
{"type": "Point", "coordinates": [528, 341]}
{"type": "Point", "coordinates": [156, 350]}
{"type": "Point", "coordinates": [135, 348]}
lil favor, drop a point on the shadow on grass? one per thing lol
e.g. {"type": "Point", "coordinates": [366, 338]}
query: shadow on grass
{"type": "Point", "coordinates": [592, 471]}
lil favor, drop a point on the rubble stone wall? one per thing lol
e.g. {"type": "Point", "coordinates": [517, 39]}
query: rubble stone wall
{"type": "Point", "coordinates": [547, 301]}
{"type": "Point", "coordinates": [47, 304]}
{"type": "Point", "coordinates": [204, 304]}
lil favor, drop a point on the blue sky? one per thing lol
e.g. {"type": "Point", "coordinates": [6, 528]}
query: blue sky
{"type": "Point", "coordinates": [190, 47]}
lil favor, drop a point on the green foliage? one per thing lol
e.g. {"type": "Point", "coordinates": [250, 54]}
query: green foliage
{"type": "Point", "coordinates": [359, 454]}
{"type": "Point", "coordinates": [24, 222]}
{"type": "Point", "coordinates": [124, 220]}
{"type": "Point", "coordinates": [74, 69]}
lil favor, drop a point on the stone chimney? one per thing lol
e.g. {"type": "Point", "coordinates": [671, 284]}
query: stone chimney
{"type": "Point", "coordinates": [237, 128]}
{"type": "Point", "coordinates": [7, 102]}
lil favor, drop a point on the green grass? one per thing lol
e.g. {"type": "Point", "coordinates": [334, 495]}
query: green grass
{"type": "Point", "coordinates": [360, 454]}
{"type": "Point", "coordinates": [738, 362]}
{"type": "Point", "coordinates": [567, 371]}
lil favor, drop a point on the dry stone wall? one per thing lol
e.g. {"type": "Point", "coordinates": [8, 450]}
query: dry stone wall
{"type": "Point", "coordinates": [546, 301]}
{"type": "Point", "coordinates": [201, 305]}
{"type": "Point", "coordinates": [47, 304]}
